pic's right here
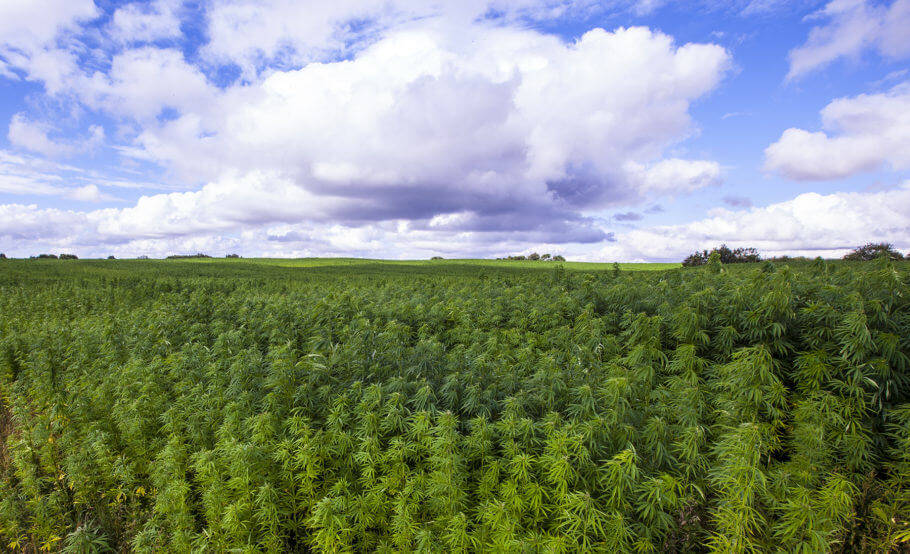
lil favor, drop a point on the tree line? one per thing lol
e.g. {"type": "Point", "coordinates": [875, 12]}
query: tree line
{"type": "Point", "coordinates": [535, 257]}
{"type": "Point", "coordinates": [725, 255]}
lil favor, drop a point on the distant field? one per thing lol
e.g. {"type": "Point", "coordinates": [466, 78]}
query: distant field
{"type": "Point", "coordinates": [322, 262]}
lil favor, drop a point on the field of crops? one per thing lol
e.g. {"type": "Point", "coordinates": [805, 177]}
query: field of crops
{"type": "Point", "coordinates": [268, 406]}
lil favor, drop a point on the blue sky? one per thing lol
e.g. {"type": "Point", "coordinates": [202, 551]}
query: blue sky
{"type": "Point", "coordinates": [404, 129]}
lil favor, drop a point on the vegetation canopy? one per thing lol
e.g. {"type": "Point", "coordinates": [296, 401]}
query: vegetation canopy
{"type": "Point", "coordinates": [872, 251]}
{"type": "Point", "coordinates": [725, 255]}
{"type": "Point", "coordinates": [235, 406]}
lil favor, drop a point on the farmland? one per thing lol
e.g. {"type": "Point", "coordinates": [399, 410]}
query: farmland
{"type": "Point", "coordinates": [453, 406]}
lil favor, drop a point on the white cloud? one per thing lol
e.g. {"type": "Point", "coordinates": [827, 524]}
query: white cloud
{"type": "Point", "coordinates": [811, 224]}
{"type": "Point", "coordinates": [30, 25]}
{"type": "Point", "coordinates": [255, 34]}
{"type": "Point", "coordinates": [674, 175]}
{"type": "Point", "coordinates": [511, 130]}
{"type": "Point", "coordinates": [861, 133]}
{"type": "Point", "coordinates": [29, 32]}
{"type": "Point", "coordinates": [144, 81]}
{"type": "Point", "coordinates": [26, 175]}
{"type": "Point", "coordinates": [426, 121]}
{"type": "Point", "coordinates": [87, 193]}
{"type": "Point", "coordinates": [141, 22]}
{"type": "Point", "coordinates": [33, 136]}
{"type": "Point", "coordinates": [30, 225]}
{"type": "Point", "coordinates": [437, 124]}
{"type": "Point", "coordinates": [851, 28]}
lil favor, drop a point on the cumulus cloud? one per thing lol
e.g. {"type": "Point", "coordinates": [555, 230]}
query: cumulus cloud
{"type": "Point", "coordinates": [850, 28]}
{"type": "Point", "coordinates": [424, 122]}
{"type": "Point", "coordinates": [861, 133]}
{"type": "Point", "coordinates": [675, 175]}
{"type": "Point", "coordinates": [140, 22]}
{"type": "Point", "coordinates": [441, 119]}
{"type": "Point", "coordinates": [811, 224]}
{"type": "Point", "coordinates": [33, 24]}
{"type": "Point", "coordinates": [144, 81]}
{"type": "Point", "coordinates": [29, 37]}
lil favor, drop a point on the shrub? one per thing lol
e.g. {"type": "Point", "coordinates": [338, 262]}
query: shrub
{"type": "Point", "coordinates": [725, 254]}
{"type": "Point", "coordinates": [436, 258]}
{"type": "Point", "coordinates": [873, 250]}
{"type": "Point", "coordinates": [69, 257]}
{"type": "Point", "coordinates": [232, 256]}
{"type": "Point", "coordinates": [714, 262]}
{"type": "Point", "coordinates": [534, 257]}
{"type": "Point", "coordinates": [111, 258]}
{"type": "Point", "coordinates": [787, 259]}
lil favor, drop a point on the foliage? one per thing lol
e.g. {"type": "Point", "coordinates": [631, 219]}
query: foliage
{"type": "Point", "coordinates": [231, 406]}
{"type": "Point", "coordinates": [872, 251]}
{"type": "Point", "coordinates": [725, 255]}
{"type": "Point", "coordinates": [535, 257]}
{"type": "Point", "coordinates": [789, 259]}
{"type": "Point", "coordinates": [187, 256]}
{"type": "Point", "coordinates": [69, 257]}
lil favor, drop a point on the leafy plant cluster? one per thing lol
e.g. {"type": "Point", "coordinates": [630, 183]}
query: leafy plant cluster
{"type": "Point", "coordinates": [234, 407]}
{"type": "Point", "coordinates": [872, 251]}
{"type": "Point", "coordinates": [53, 257]}
{"type": "Point", "coordinates": [535, 257]}
{"type": "Point", "coordinates": [724, 254]}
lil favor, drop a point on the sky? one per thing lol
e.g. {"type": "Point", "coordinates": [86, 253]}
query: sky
{"type": "Point", "coordinates": [619, 130]}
